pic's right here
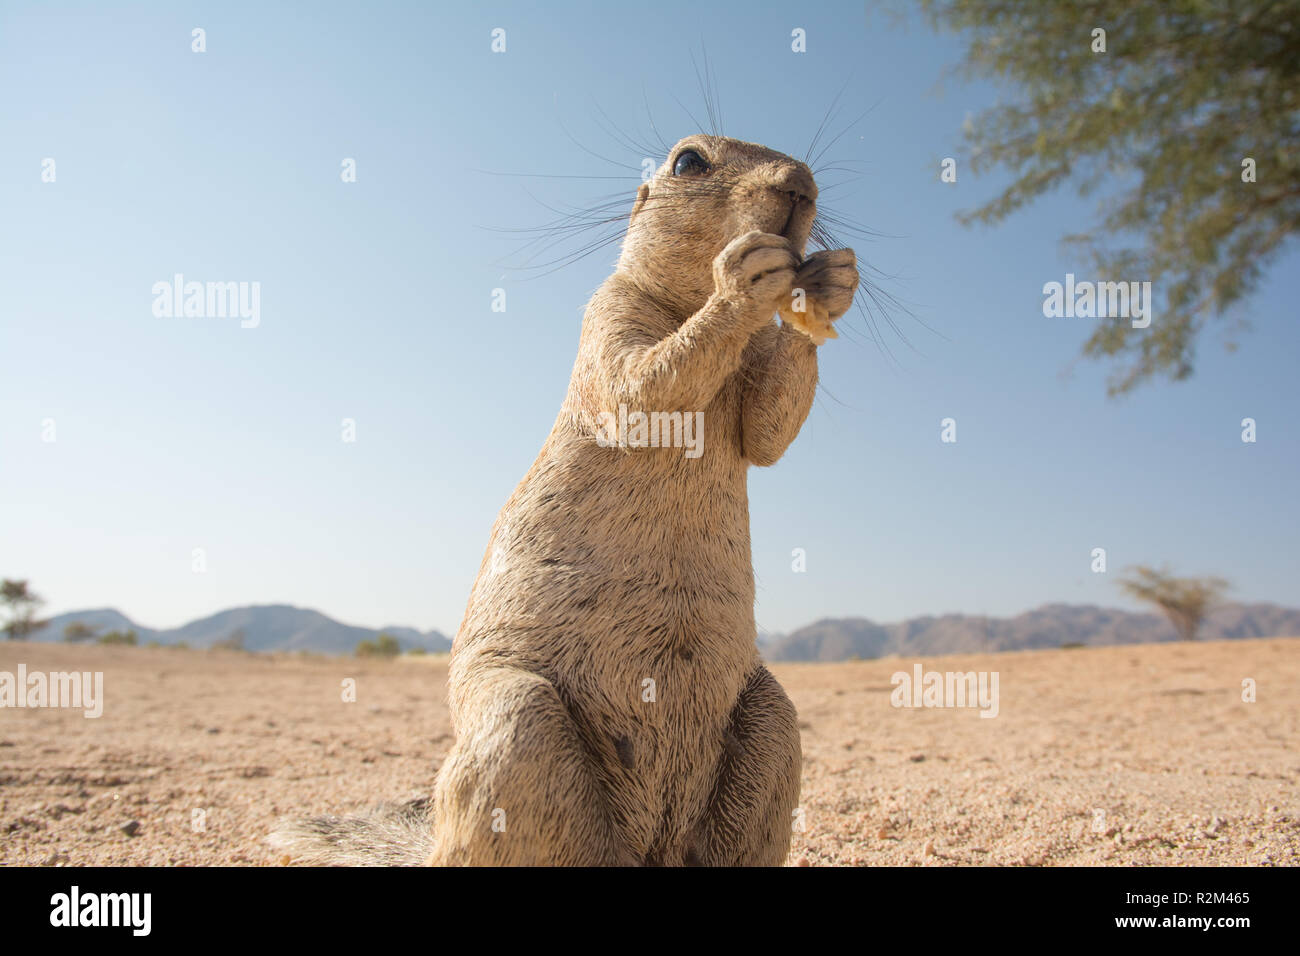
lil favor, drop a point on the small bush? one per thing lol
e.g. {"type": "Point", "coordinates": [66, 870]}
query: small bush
{"type": "Point", "coordinates": [233, 642]}
{"type": "Point", "coordinates": [76, 632]}
{"type": "Point", "coordinates": [385, 645]}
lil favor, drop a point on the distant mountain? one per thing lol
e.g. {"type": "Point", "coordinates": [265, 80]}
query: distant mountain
{"type": "Point", "coordinates": [281, 627]}
{"type": "Point", "coordinates": [100, 620]}
{"type": "Point", "coordinates": [1053, 625]}
{"type": "Point", "coordinates": [268, 627]}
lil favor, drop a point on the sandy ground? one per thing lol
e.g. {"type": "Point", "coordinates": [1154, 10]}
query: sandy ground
{"type": "Point", "coordinates": [1109, 756]}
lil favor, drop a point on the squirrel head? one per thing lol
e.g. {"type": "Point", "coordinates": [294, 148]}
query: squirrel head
{"type": "Point", "coordinates": [710, 190]}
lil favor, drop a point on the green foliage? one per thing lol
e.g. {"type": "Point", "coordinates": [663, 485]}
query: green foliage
{"type": "Point", "coordinates": [1186, 90]}
{"type": "Point", "coordinates": [120, 637]}
{"type": "Point", "coordinates": [384, 645]}
{"type": "Point", "coordinates": [20, 607]}
{"type": "Point", "coordinates": [1185, 601]}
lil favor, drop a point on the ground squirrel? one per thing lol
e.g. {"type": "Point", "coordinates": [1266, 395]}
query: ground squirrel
{"type": "Point", "coordinates": [607, 694]}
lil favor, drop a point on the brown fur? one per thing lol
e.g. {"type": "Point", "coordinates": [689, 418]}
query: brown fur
{"type": "Point", "coordinates": [613, 566]}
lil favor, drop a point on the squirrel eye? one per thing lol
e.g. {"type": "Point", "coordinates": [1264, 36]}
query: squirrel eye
{"type": "Point", "coordinates": [690, 163]}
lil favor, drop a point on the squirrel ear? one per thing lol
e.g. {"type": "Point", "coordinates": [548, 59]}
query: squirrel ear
{"type": "Point", "coordinates": [642, 195]}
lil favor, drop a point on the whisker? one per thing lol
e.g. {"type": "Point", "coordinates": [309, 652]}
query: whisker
{"type": "Point", "coordinates": [707, 90]}
{"type": "Point", "coordinates": [698, 124]}
{"type": "Point", "coordinates": [825, 120]}
{"type": "Point", "coordinates": [646, 100]}
{"type": "Point", "coordinates": [590, 152]}
{"type": "Point", "coordinates": [616, 132]}
{"type": "Point", "coordinates": [822, 152]}
{"type": "Point", "coordinates": [493, 172]}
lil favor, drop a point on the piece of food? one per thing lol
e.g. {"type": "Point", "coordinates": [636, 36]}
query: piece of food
{"type": "Point", "coordinates": [814, 321]}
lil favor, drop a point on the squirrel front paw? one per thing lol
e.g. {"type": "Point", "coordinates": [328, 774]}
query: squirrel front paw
{"type": "Point", "coordinates": [755, 271]}
{"type": "Point", "coordinates": [823, 290]}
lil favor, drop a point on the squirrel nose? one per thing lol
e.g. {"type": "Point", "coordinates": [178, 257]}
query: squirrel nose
{"type": "Point", "coordinates": [796, 182]}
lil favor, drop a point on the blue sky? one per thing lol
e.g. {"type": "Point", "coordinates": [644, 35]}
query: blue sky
{"type": "Point", "coordinates": [174, 433]}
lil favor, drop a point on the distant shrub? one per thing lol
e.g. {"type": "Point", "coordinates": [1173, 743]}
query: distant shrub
{"type": "Point", "coordinates": [77, 632]}
{"type": "Point", "coordinates": [1072, 645]}
{"type": "Point", "coordinates": [233, 642]}
{"type": "Point", "coordinates": [120, 637]}
{"type": "Point", "coordinates": [385, 645]}
{"type": "Point", "coordinates": [416, 652]}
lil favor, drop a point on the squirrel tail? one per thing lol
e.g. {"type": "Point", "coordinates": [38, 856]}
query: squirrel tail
{"type": "Point", "coordinates": [392, 834]}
